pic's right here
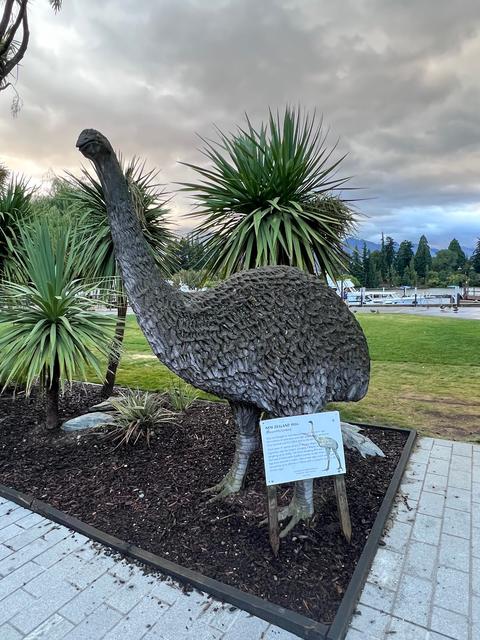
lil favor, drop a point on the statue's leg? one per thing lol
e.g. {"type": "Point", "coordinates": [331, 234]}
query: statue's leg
{"type": "Point", "coordinates": [246, 419]}
{"type": "Point", "coordinates": [300, 507]}
{"type": "Point", "coordinates": [338, 459]}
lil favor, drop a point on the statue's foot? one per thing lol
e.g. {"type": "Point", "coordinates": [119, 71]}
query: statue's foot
{"type": "Point", "coordinates": [297, 512]}
{"type": "Point", "coordinates": [233, 481]}
{"type": "Point", "coordinates": [228, 485]}
{"type": "Point", "coordinates": [300, 508]}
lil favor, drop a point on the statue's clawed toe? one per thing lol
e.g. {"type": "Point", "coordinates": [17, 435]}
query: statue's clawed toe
{"type": "Point", "coordinates": [297, 513]}
{"type": "Point", "coordinates": [300, 508]}
{"type": "Point", "coordinates": [246, 419]}
{"type": "Point", "coordinates": [231, 483]}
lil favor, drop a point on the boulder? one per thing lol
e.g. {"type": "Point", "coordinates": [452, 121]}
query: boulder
{"type": "Point", "coordinates": [88, 421]}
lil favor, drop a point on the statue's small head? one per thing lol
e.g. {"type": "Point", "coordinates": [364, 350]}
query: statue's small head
{"type": "Point", "coordinates": [93, 144]}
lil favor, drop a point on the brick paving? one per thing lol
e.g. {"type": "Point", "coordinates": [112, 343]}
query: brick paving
{"type": "Point", "coordinates": [424, 583]}
{"type": "Point", "coordinates": [57, 584]}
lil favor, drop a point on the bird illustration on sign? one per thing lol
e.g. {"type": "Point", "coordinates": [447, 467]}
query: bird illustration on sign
{"type": "Point", "coordinates": [329, 444]}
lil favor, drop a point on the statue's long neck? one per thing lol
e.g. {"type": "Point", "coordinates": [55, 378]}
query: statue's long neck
{"type": "Point", "coordinates": [156, 304]}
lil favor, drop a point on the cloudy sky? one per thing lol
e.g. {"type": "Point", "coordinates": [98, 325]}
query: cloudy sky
{"type": "Point", "coordinates": [398, 81]}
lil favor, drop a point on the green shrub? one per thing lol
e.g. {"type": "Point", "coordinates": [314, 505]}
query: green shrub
{"type": "Point", "coordinates": [15, 212]}
{"type": "Point", "coordinates": [181, 395]}
{"type": "Point", "coordinates": [138, 415]}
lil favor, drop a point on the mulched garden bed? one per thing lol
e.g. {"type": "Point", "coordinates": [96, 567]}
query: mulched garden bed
{"type": "Point", "coordinates": [152, 497]}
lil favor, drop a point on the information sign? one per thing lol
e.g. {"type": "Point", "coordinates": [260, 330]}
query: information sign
{"type": "Point", "coordinates": [302, 447]}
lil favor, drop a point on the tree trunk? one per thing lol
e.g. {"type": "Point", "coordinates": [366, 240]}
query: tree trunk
{"type": "Point", "coordinates": [115, 353]}
{"type": "Point", "coordinates": [52, 392]}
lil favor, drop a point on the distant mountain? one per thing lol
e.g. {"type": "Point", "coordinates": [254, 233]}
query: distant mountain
{"type": "Point", "coordinates": [351, 243]}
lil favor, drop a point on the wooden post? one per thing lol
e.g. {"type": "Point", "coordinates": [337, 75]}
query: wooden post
{"type": "Point", "coordinates": [342, 505]}
{"type": "Point", "coordinates": [272, 510]}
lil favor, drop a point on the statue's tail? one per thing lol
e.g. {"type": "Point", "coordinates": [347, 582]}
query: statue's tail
{"type": "Point", "coordinates": [353, 439]}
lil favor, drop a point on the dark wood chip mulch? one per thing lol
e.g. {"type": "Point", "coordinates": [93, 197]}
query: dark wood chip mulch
{"type": "Point", "coordinates": [152, 498]}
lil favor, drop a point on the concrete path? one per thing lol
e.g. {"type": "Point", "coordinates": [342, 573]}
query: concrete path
{"type": "Point", "coordinates": [424, 584]}
{"type": "Point", "coordinates": [57, 584]}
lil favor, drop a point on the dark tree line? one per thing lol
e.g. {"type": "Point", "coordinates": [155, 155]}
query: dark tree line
{"type": "Point", "coordinates": [188, 254]}
{"type": "Point", "coordinates": [397, 265]}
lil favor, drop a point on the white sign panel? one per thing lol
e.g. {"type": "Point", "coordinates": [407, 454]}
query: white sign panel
{"type": "Point", "coordinates": [302, 447]}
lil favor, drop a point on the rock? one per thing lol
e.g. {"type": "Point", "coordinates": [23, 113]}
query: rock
{"type": "Point", "coordinates": [106, 405]}
{"type": "Point", "coordinates": [88, 421]}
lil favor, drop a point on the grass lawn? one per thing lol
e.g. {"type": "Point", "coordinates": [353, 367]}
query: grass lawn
{"type": "Point", "coordinates": [425, 373]}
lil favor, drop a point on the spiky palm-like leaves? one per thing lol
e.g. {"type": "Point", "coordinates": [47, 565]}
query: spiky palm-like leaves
{"type": "Point", "coordinates": [181, 395]}
{"type": "Point", "coordinates": [47, 329]}
{"type": "Point", "coordinates": [151, 206]}
{"type": "Point", "coordinates": [270, 196]}
{"type": "Point", "coordinates": [56, 207]}
{"type": "Point", "coordinates": [15, 212]}
{"type": "Point", "coordinates": [3, 175]}
{"type": "Point", "coordinates": [138, 415]}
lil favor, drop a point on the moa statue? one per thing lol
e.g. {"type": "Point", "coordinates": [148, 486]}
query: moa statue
{"type": "Point", "coordinates": [273, 339]}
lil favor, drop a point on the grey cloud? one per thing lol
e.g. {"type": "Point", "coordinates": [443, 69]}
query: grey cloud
{"type": "Point", "coordinates": [397, 81]}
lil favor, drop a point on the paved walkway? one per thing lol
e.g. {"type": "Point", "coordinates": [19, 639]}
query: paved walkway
{"type": "Point", "coordinates": [57, 584]}
{"type": "Point", "coordinates": [424, 583]}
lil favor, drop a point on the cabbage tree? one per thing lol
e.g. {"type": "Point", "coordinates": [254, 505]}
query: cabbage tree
{"type": "Point", "coordinates": [151, 205]}
{"type": "Point", "coordinates": [48, 332]}
{"type": "Point", "coordinates": [271, 195]}
{"type": "Point", "coordinates": [15, 212]}
{"type": "Point", "coordinates": [14, 39]}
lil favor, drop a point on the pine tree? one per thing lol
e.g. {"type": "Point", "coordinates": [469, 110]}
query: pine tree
{"type": "Point", "coordinates": [188, 253]}
{"type": "Point", "coordinates": [365, 261]}
{"type": "Point", "coordinates": [457, 249]}
{"type": "Point", "coordinates": [404, 255]}
{"type": "Point", "coordinates": [475, 259]}
{"type": "Point", "coordinates": [373, 273]}
{"type": "Point", "coordinates": [423, 259]}
{"type": "Point", "coordinates": [355, 266]}
{"type": "Point", "coordinates": [383, 261]}
{"type": "Point", "coordinates": [410, 275]}
{"type": "Point", "coordinates": [390, 252]}
{"type": "Point", "coordinates": [394, 278]}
